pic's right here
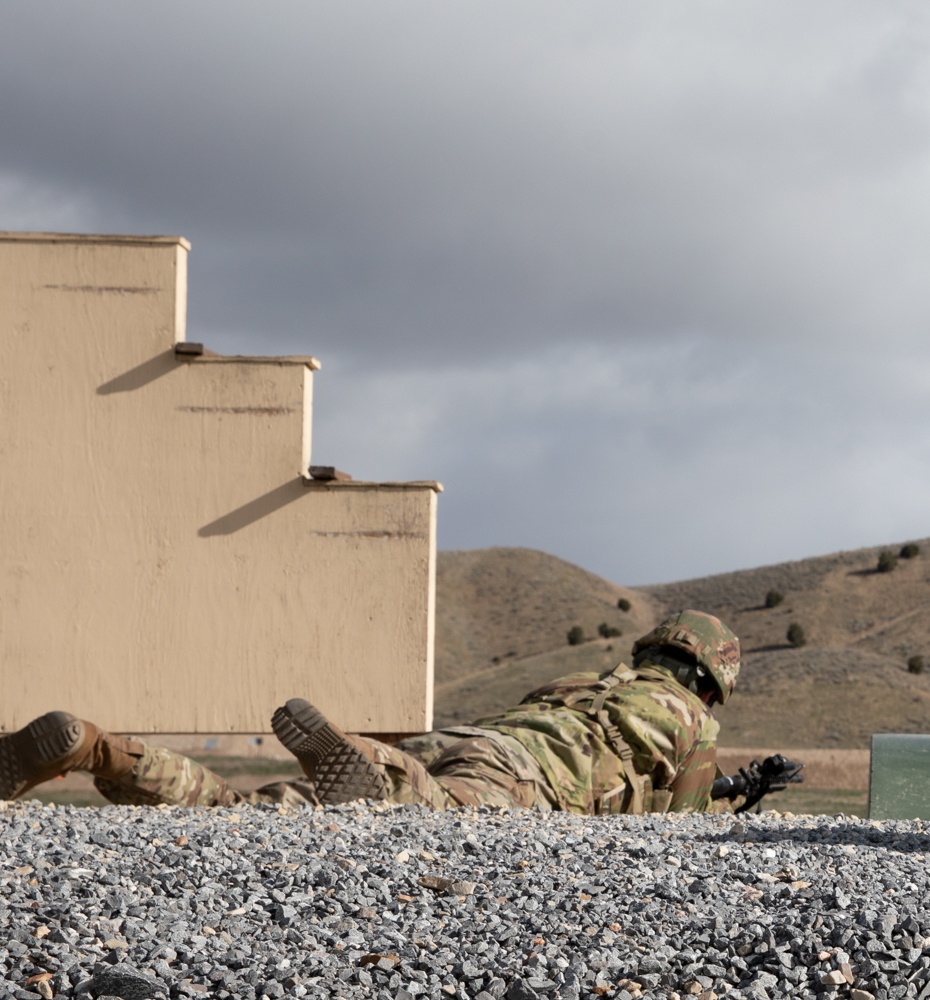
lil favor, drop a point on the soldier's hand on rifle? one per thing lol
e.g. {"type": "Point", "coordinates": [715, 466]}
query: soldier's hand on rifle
{"type": "Point", "coordinates": [774, 774]}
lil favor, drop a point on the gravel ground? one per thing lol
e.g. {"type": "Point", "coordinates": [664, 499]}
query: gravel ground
{"type": "Point", "coordinates": [394, 903]}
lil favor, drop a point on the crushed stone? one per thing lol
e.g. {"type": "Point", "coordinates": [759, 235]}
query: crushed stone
{"type": "Point", "coordinates": [400, 902]}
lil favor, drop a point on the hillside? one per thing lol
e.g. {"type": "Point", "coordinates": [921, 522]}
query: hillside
{"type": "Point", "coordinates": [495, 605]}
{"type": "Point", "coordinates": [503, 616]}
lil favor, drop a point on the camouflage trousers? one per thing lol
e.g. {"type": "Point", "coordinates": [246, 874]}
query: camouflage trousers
{"type": "Point", "coordinates": [163, 777]}
{"type": "Point", "coordinates": [467, 766]}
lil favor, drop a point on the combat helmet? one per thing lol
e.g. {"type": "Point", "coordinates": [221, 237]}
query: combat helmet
{"type": "Point", "coordinates": [702, 636]}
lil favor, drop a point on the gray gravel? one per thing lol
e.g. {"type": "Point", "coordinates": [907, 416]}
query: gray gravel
{"type": "Point", "coordinates": [395, 903]}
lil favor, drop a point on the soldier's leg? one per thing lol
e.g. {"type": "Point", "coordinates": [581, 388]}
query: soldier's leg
{"type": "Point", "coordinates": [56, 743]}
{"type": "Point", "coordinates": [489, 770]}
{"type": "Point", "coordinates": [492, 769]}
{"type": "Point", "coordinates": [285, 793]}
{"type": "Point", "coordinates": [427, 747]}
{"type": "Point", "coordinates": [164, 777]}
{"type": "Point", "coordinates": [342, 767]}
{"type": "Point", "coordinates": [125, 770]}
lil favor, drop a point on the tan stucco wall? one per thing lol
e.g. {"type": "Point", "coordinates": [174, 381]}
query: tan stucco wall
{"type": "Point", "coordinates": [165, 566]}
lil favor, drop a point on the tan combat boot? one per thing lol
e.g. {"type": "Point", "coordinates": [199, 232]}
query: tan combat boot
{"type": "Point", "coordinates": [340, 766]}
{"type": "Point", "coordinates": [57, 743]}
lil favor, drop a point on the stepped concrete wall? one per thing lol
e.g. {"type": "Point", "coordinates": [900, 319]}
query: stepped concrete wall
{"type": "Point", "coordinates": [166, 562]}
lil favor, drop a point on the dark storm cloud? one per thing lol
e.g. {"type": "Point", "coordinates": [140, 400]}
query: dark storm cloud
{"type": "Point", "coordinates": [655, 464]}
{"type": "Point", "coordinates": [381, 180]}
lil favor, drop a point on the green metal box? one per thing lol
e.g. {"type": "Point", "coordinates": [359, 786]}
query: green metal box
{"type": "Point", "coordinates": [899, 776]}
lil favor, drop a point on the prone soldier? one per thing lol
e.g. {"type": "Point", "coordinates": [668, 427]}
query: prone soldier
{"type": "Point", "coordinates": [638, 738]}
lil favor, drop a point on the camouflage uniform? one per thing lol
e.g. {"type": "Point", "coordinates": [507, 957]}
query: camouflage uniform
{"type": "Point", "coordinates": [624, 741]}
{"type": "Point", "coordinates": [630, 740]}
{"type": "Point", "coordinates": [163, 777]}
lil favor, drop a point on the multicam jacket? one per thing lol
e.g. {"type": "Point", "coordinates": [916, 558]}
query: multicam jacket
{"type": "Point", "coordinates": [625, 741]}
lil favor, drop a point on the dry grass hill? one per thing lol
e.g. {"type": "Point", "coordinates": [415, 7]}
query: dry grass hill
{"type": "Point", "coordinates": [503, 616]}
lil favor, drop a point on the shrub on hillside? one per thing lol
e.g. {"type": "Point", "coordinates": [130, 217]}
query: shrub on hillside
{"type": "Point", "coordinates": [795, 635]}
{"type": "Point", "coordinates": [887, 561]}
{"type": "Point", "coordinates": [909, 551]}
{"type": "Point", "coordinates": [606, 631]}
{"type": "Point", "coordinates": [915, 665]}
{"type": "Point", "coordinates": [773, 598]}
{"type": "Point", "coordinates": [575, 635]}
{"type": "Point", "coordinates": [623, 604]}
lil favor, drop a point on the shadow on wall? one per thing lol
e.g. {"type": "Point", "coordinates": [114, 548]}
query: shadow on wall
{"type": "Point", "coordinates": [256, 509]}
{"type": "Point", "coordinates": [141, 375]}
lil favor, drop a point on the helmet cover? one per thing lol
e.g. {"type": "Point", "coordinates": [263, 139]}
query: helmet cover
{"type": "Point", "coordinates": [704, 637]}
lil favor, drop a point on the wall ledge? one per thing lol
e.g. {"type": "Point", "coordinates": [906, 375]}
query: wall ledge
{"type": "Point", "coordinates": [357, 484]}
{"type": "Point", "coordinates": [183, 352]}
{"type": "Point", "coordinates": [112, 239]}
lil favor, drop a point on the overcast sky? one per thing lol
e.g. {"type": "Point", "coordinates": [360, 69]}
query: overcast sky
{"type": "Point", "coordinates": [644, 285]}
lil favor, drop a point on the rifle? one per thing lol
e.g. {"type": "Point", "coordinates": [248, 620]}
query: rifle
{"type": "Point", "coordinates": [774, 774]}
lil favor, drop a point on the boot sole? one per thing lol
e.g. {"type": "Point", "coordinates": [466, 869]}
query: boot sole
{"type": "Point", "coordinates": [340, 771]}
{"type": "Point", "coordinates": [37, 752]}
